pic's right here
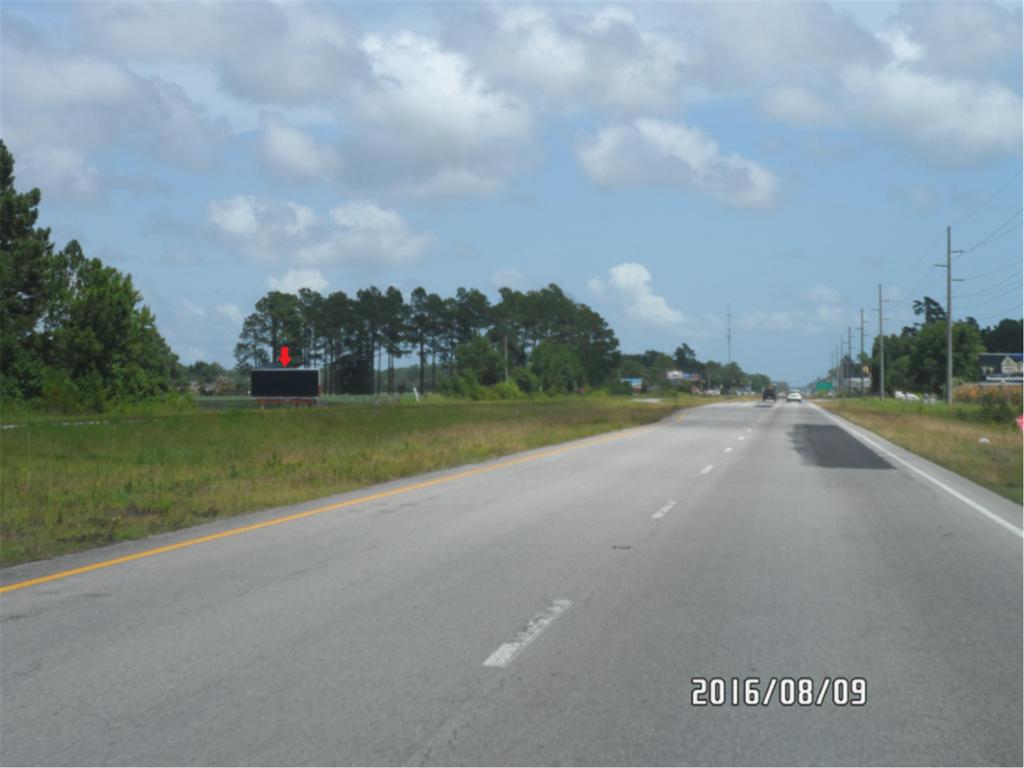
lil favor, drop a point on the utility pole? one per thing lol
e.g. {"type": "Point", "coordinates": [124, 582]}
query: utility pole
{"type": "Point", "coordinates": [860, 360]}
{"type": "Point", "coordinates": [728, 331]}
{"type": "Point", "coordinates": [949, 313]}
{"type": "Point", "coordinates": [849, 353]}
{"type": "Point", "coordinates": [881, 347]}
{"type": "Point", "coordinates": [839, 367]}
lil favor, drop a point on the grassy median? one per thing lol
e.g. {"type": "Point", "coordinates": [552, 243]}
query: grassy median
{"type": "Point", "coordinates": [953, 437]}
{"type": "Point", "coordinates": [65, 488]}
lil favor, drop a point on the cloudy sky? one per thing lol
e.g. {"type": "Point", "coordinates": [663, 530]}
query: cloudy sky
{"type": "Point", "coordinates": [667, 164]}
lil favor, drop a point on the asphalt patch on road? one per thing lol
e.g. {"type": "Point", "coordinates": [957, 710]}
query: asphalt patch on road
{"type": "Point", "coordinates": [826, 445]}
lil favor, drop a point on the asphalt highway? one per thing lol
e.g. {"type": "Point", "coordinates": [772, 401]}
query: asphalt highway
{"type": "Point", "coordinates": [557, 607]}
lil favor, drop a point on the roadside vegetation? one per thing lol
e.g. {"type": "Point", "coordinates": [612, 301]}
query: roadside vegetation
{"type": "Point", "coordinates": [67, 488]}
{"type": "Point", "coordinates": [978, 440]}
{"type": "Point", "coordinates": [915, 358]}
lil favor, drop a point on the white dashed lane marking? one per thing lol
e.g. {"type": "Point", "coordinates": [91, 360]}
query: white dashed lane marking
{"type": "Point", "coordinates": [508, 651]}
{"type": "Point", "coordinates": [661, 512]}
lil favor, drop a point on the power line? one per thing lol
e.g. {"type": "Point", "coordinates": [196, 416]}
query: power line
{"type": "Point", "coordinates": [995, 233]}
{"type": "Point", "coordinates": [1014, 289]}
{"type": "Point", "coordinates": [997, 238]}
{"type": "Point", "coordinates": [924, 252]}
{"type": "Point", "coordinates": [921, 283]}
{"type": "Point", "coordinates": [990, 289]}
{"type": "Point", "coordinates": [1011, 265]}
{"type": "Point", "coordinates": [990, 198]}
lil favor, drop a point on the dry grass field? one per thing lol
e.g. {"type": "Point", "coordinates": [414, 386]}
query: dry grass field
{"type": "Point", "coordinates": [951, 437]}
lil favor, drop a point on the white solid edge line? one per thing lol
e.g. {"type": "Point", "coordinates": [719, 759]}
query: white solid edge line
{"type": "Point", "coordinates": [508, 651]}
{"type": "Point", "coordinates": [661, 512]}
{"type": "Point", "coordinates": [707, 469]}
{"type": "Point", "coordinates": [955, 494]}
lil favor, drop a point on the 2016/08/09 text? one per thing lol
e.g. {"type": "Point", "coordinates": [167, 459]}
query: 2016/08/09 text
{"type": "Point", "coordinates": [787, 691]}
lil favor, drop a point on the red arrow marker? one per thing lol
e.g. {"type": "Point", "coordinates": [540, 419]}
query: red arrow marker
{"type": "Point", "coordinates": [285, 357]}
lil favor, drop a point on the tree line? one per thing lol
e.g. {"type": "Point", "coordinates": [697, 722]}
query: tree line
{"type": "Point", "coordinates": [73, 332]}
{"type": "Point", "coordinates": [533, 341]}
{"type": "Point", "coordinates": [915, 358]}
{"type": "Point", "coordinates": [540, 340]}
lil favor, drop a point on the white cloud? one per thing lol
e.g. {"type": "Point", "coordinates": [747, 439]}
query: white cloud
{"type": "Point", "coordinates": [822, 294]}
{"type": "Point", "coordinates": [231, 312]}
{"type": "Point", "coordinates": [266, 228]}
{"type": "Point", "coordinates": [267, 52]}
{"type": "Point", "coordinates": [449, 183]}
{"type": "Point", "coordinates": [952, 119]}
{"type": "Point", "coordinates": [902, 49]}
{"type": "Point", "coordinates": [631, 286]}
{"type": "Point", "coordinates": [653, 152]}
{"type": "Point", "coordinates": [571, 56]}
{"type": "Point", "coordinates": [829, 315]}
{"type": "Point", "coordinates": [959, 40]}
{"type": "Point", "coordinates": [193, 309]}
{"type": "Point", "coordinates": [743, 45]}
{"type": "Point", "coordinates": [761, 319]}
{"type": "Point", "coordinates": [421, 88]}
{"type": "Point", "coordinates": [294, 279]}
{"type": "Point", "coordinates": [797, 105]}
{"type": "Point", "coordinates": [358, 231]}
{"type": "Point", "coordinates": [62, 172]}
{"type": "Point", "coordinates": [61, 104]}
{"type": "Point", "coordinates": [428, 124]}
{"type": "Point", "coordinates": [363, 231]}
{"type": "Point", "coordinates": [943, 77]}
{"type": "Point", "coordinates": [294, 153]}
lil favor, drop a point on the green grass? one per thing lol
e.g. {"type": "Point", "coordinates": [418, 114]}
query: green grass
{"type": "Point", "coordinates": [67, 488]}
{"type": "Point", "coordinates": [244, 402]}
{"type": "Point", "coordinates": [948, 436]}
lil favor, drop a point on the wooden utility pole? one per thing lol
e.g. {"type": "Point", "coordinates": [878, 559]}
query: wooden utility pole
{"type": "Point", "coordinates": [949, 313]}
{"type": "Point", "coordinates": [860, 361]}
{"type": "Point", "coordinates": [881, 347]}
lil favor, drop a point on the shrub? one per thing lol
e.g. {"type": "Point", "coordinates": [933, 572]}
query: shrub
{"type": "Point", "coordinates": [998, 403]}
{"type": "Point", "coordinates": [999, 407]}
{"type": "Point", "coordinates": [526, 380]}
{"type": "Point", "coordinates": [507, 390]}
{"type": "Point", "coordinates": [557, 366]}
{"type": "Point", "coordinates": [620, 388]}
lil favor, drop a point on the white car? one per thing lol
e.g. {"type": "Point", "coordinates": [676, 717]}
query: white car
{"type": "Point", "coordinates": [794, 397]}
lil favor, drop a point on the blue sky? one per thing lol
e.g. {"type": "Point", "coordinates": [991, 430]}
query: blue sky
{"type": "Point", "coordinates": [665, 163]}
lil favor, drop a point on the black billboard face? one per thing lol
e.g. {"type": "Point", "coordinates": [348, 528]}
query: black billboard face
{"type": "Point", "coordinates": [285, 382]}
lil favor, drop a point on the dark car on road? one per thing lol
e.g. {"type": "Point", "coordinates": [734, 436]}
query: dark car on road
{"type": "Point", "coordinates": [768, 394]}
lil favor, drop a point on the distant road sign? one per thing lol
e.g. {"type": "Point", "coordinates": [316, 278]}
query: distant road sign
{"type": "Point", "coordinates": [824, 386]}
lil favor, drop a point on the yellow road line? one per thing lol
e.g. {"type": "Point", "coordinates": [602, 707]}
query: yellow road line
{"type": "Point", "coordinates": [319, 510]}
